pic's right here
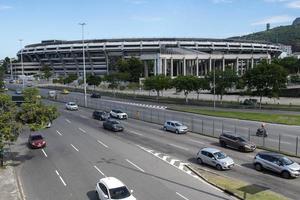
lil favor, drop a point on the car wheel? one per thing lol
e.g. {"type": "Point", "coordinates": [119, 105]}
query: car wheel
{"type": "Point", "coordinates": [241, 149]}
{"type": "Point", "coordinates": [199, 160]}
{"type": "Point", "coordinates": [223, 144]}
{"type": "Point", "coordinates": [286, 174]}
{"type": "Point", "coordinates": [219, 167]}
{"type": "Point", "coordinates": [177, 132]}
{"type": "Point", "coordinates": [165, 128]}
{"type": "Point", "coordinates": [258, 167]}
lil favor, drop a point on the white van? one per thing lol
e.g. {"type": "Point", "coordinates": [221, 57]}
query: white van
{"type": "Point", "coordinates": [52, 93]}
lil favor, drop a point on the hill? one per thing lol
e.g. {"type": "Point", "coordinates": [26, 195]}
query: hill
{"type": "Point", "coordinates": [287, 35]}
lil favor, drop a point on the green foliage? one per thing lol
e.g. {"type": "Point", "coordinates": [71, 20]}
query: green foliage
{"type": "Point", "coordinates": [266, 79]}
{"type": "Point", "coordinates": [295, 78]}
{"type": "Point", "coordinates": [59, 80]}
{"type": "Point", "coordinates": [70, 78]}
{"type": "Point", "coordinates": [114, 79]}
{"type": "Point", "coordinates": [291, 64]}
{"type": "Point", "coordinates": [31, 95]}
{"type": "Point", "coordinates": [9, 126]}
{"type": "Point", "coordinates": [186, 84]}
{"type": "Point", "coordinates": [47, 72]}
{"type": "Point", "coordinates": [224, 80]}
{"type": "Point", "coordinates": [201, 84]}
{"type": "Point", "coordinates": [93, 80]}
{"type": "Point", "coordinates": [132, 66]}
{"type": "Point", "coordinates": [1, 79]}
{"type": "Point", "coordinates": [157, 83]}
{"type": "Point", "coordinates": [6, 64]}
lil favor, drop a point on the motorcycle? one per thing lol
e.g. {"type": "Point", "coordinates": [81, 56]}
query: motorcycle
{"type": "Point", "coordinates": [261, 132]}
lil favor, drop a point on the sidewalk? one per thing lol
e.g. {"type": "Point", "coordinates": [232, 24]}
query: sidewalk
{"type": "Point", "coordinates": [8, 184]}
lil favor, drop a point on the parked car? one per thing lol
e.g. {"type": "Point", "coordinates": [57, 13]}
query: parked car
{"type": "Point", "coordinates": [237, 142]}
{"type": "Point", "coordinates": [52, 94]}
{"type": "Point", "coordinates": [36, 141]}
{"type": "Point", "coordinates": [100, 115]}
{"type": "Point", "coordinates": [11, 81]}
{"type": "Point", "coordinates": [118, 114]}
{"type": "Point", "coordinates": [215, 158]}
{"type": "Point", "coordinates": [65, 91]}
{"type": "Point", "coordinates": [112, 188]}
{"type": "Point", "coordinates": [95, 95]}
{"type": "Point", "coordinates": [113, 125]}
{"type": "Point", "coordinates": [175, 126]}
{"type": "Point", "coordinates": [71, 106]}
{"type": "Point", "coordinates": [18, 91]}
{"type": "Point", "coordinates": [276, 163]}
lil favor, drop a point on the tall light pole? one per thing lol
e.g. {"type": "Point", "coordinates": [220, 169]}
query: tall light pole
{"type": "Point", "coordinates": [83, 59]}
{"type": "Point", "coordinates": [21, 46]}
{"type": "Point", "coordinates": [214, 85]}
{"type": "Point", "coordinates": [11, 70]}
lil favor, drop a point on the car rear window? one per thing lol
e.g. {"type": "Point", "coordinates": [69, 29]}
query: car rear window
{"type": "Point", "coordinates": [119, 193]}
{"type": "Point", "coordinates": [36, 137]}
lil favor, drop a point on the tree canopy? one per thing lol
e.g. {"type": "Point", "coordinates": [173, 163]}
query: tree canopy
{"type": "Point", "coordinates": [133, 66]}
{"type": "Point", "coordinates": [70, 78]}
{"type": "Point", "coordinates": [47, 71]}
{"type": "Point", "coordinates": [157, 83]}
{"type": "Point", "coordinates": [93, 80]}
{"type": "Point", "coordinates": [186, 84]}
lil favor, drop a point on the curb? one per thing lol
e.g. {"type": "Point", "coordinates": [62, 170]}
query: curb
{"type": "Point", "coordinates": [217, 186]}
{"type": "Point", "coordinates": [19, 185]}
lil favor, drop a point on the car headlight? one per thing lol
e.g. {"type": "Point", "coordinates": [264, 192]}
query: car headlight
{"type": "Point", "coordinates": [247, 146]}
{"type": "Point", "coordinates": [223, 163]}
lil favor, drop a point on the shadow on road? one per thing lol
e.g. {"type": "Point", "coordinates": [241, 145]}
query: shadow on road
{"type": "Point", "coordinates": [17, 159]}
{"type": "Point", "coordinates": [92, 195]}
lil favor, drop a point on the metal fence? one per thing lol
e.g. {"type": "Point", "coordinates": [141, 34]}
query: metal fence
{"type": "Point", "coordinates": [209, 127]}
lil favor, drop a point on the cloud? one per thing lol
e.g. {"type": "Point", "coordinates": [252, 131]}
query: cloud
{"type": "Point", "coordinates": [5, 7]}
{"type": "Point", "coordinates": [146, 18]}
{"type": "Point", "coordinates": [274, 20]}
{"type": "Point", "coordinates": [222, 1]}
{"type": "Point", "coordinates": [294, 4]}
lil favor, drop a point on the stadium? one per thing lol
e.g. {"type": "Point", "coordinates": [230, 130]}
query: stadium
{"type": "Point", "coordinates": [168, 56]}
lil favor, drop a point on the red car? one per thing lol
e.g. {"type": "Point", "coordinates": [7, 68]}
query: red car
{"type": "Point", "coordinates": [36, 141]}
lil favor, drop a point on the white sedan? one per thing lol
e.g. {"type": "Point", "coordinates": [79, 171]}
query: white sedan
{"type": "Point", "coordinates": [112, 188]}
{"type": "Point", "coordinates": [71, 106]}
{"type": "Point", "coordinates": [118, 114]}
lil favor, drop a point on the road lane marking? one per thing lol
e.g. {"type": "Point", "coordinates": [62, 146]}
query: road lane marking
{"type": "Point", "coordinates": [82, 130]}
{"type": "Point", "coordinates": [99, 170]}
{"type": "Point", "coordinates": [180, 147]}
{"type": "Point", "coordinates": [197, 141]}
{"type": "Point", "coordinates": [83, 116]}
{"type": "Point", "coordinates": [59, 133]}
{"type": "Point", "coordinates": [44, 153]}
{"type": "Point", "coordinates": [102, 143]}
{"type": "Point", "coordinates": [135, 165]}
{"type": "Point", "coordinates": [136, 133]}
{"type": "Point", "coordinates": [68, 121]}
{"type": "Point", "coordinates": [181, 196]}
{"type": "Point", "coordinates": [61, 179]}
{"type": "Point", "coordinates": [74, 147]}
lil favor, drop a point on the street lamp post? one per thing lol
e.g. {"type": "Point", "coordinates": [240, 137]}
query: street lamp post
{"type": "Point", "coordinates": [11, 70]}
{"type": "Point", "coordinates": [21, 46]}
{"type": "Point", "coordinates": [214, 85]}
{"type": "Point", "coordinates": [83, 59]}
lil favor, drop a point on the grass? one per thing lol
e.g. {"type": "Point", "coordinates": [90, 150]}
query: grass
{"type": "Point", "coordinates": [238, 187]}
{"type": "Point", "coordinates": [288, 119]}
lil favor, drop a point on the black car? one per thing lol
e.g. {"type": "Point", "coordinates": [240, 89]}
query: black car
{"type": "Point", "coordinates": [96, 96]}
{"type": "Point", "coordinates": [113, 125]}
{"type": "Point", "coordinates": [100, 115]}
{"type": "Point", "coordinates": [231, 140]}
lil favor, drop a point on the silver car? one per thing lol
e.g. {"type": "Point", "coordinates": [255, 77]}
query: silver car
{"type": "Point", "coordinates": [277, 163]}
{"type": "Point", "coordinates": [175, 126]}
{"type": "Point", "coordinates": [215, 158]}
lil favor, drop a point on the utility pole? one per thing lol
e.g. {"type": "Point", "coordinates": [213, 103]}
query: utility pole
{"type": "Point", "coordinates": [22, 65]}
{"type": "Point", "coordinates": [83, 59]}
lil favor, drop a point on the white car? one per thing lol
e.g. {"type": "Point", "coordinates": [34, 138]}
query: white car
{"type": "Point", "coordinates": [112, 188]}
{"type": "Point", "coordinates": [118, 114]}
{"type": "Point", "coordinates": [71, 106]}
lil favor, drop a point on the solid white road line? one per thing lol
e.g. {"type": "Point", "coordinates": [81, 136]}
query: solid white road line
{"type": "Point", "coordinates": [135, 165]}
{"type": "Point", "coordinates": [44, 153]}
{"type": "Point", "coordinates": [68, 121]}
{"type": "Point", "coordinates": [99, 170]}
{"type": "Point", "coordinates": [59, 133]}
{"type": "Point", "coordinates": [74, 147]}
{"type": "Point", "coordinates": [136, 133]}
{"type": "Point", "coordinates": [197, 141]}
{"type": "Point", "coordinates": [82, 130]}
{"type": "Point", "coordinates": [181, 196]}
{"type": "Point", "coordinates": [180, 147]}
{"type": "Point", "coordinates": [62, 180]}
{"type": "Point", "coordinates": [102, 143]}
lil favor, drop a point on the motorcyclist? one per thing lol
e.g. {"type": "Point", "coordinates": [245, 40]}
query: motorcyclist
{"type": "Point", "coordinates": [262, 131]}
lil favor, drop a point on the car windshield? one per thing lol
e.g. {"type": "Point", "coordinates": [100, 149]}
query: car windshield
{"type": "Point", "coordinates": [72, 104]}
{"type": "Point", "coordinates": [118, 111]}
{"type": "Point", "coordinates": [119, 193]}
{"type": "Point", "coordinates": [115, 122]}
{"type": "Point", "coordinates": [220, 155]}
{"type": "Point", "coordinates": [241, 139]}
{"type": "Point", "coordinates": [36, 137]}
{"type": "Point", "coordinates": [178, 124]}
{"type": "Point", "coordinates": [286, 161]}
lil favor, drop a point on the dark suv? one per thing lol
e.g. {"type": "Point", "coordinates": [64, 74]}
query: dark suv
{"type": "Point", "coordinates": [236, 142]}
{"type": "Point", "coordinates": [96, 96]}
{"type": "Point", "coordinates": [113, 125]}
{"type": "Point", "coordinates": [100, 115]}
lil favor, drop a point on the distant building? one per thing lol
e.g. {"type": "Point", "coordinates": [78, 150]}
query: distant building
{"type": "Point", "coordinates": [268, 26]}
{"type": "Point", "coordinates": [286, 51]}
{"type": "Point", "coordinates": [296, 55]}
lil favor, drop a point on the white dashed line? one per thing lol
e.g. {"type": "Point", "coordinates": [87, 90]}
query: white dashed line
{"type": "Point", "coordinates": [62, 180]}
{"type": "Point", "coordinates": [135, 165]}
{"type": "Point", "coordinates": [99, 171]}
{"type": "Point", "coordinates": [82, 130]}
{"type": "Point", "coordinates": [59, 133]}
{"type": "Point", "coordinates": [74, 147]}
{"type": "Point", "coordinates": [181, 196]}
{"type": "Point", "coordinates": [197, 141]}
{"type": "Point", "coordinates": [180, 147]}
{"type": "Point", "coordinates": [136, 133]}
{"type": "Point", "coordinates": [68, 121]}
{"type": "Point", "coordinates": [44, 153]}
{"type": "Point", "coordinates": [83, 116]}
{"type": "Point", "coordinates": [102, 143]}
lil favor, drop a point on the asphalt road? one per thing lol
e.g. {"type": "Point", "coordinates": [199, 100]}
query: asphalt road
{"type": "Point", "coordinates": [79, 152]}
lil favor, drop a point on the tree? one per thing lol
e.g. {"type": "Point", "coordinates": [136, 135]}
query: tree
{"type": "Point", "coordinates": [201, 84]}
{"type": "Point", "coordinates": [6, 64]}
{"type": "Point", "coordinates": [9, 126]}
{"type": "Point", "coordinates": [34, 113]}
{"type": "Point", "coordinates": [70, 78]}
{"type": "Point", "coordinates": [133, 66]}
{"type": "Point", "coordinates": [186, 84]}
{"type": "Point", "coordinates": [93, 80]}
{"type": "Point", "coordinates": [224, 80]}
{"type": "Point", "coordinates": [266, 79]}
{"type": "Point", "coordinates": [1, 78]}
{"type": "Point", "coordinates": [157, 83]}
{"type": "Point", "coordinates": [291, 64]}
{"type": "Point", "coordinates": [134, 87]}
{"type": "Point", "coordinates": [47, 71]}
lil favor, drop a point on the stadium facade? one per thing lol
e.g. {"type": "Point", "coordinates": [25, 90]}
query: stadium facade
{"type": "Point", "coordinates": [169, 56]}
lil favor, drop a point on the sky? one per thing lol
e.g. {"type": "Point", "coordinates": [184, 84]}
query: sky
{"type": "Point", "coordinates": [36, 20]}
